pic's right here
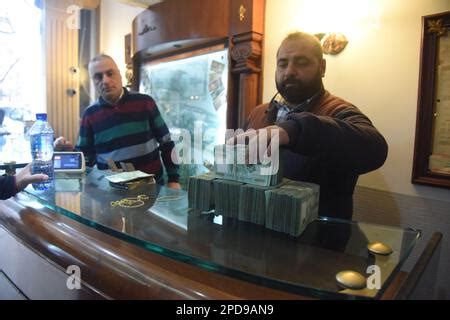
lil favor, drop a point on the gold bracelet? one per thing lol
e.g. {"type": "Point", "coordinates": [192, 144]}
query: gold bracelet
{"type": "Point", "coordinates": [130, 202]}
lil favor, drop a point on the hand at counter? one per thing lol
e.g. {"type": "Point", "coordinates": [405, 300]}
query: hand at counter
{"type": "Point", "coordinates": [61, 144]}
{"type": "Point", "coordinates": [24, 178]}
{"type": "Point", "coordinates": [267, 134]}
{"type": "Point", "coordinates": [174, 185]}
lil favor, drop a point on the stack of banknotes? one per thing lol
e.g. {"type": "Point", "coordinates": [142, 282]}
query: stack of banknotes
{"type": "Point", "coordinates": [240, 188]}
{"type": "Point", "coordinates": [292, 206]}
{"type": "Point", "coordinates": [233, 162]}
{"type": "Point", "coordinates": [287, 207]}
{"type": "Point", "coordinates": [252, 203]}
{"type": "Point", "coordinates": [226, 197]}
{"type": "Point", "coordinates": [200, 193]}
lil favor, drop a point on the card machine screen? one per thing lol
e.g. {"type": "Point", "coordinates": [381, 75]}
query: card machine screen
{"type": "Point", "coordinates": [68, 162]}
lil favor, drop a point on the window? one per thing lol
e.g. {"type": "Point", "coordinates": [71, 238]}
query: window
{"type": "Point", "coordinates": [22, 81]}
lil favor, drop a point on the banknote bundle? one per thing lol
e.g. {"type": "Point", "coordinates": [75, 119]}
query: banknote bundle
{"type": "Point", "coordinates": [233, 162]}
{"type": "Point", "coordinates": [252, 203]}
{"type": "Point", "coordinates": [201, 193]}
{"type": "Point", "coordinates": [226, 197]}
{"type": "Point", "coordinates": [292, 206]}
{"type": "Point", "coordinates": [238, 188]}
{"type": "Point", "coordinates": [287, 207]}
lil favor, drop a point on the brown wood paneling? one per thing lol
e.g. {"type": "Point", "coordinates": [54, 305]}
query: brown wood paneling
{"type": "Point", "coordinates": [247, 97]}
{"type": "Point", "coordinates": [246, 54]}
{"type": "Point", "coordinates": [247, 15]}
{"type": "Point", "coordinates": [35, 277]}
{"type": "Point", "coordinates": [171, 23]}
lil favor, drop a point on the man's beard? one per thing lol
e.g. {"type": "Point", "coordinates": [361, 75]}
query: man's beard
{"type": "Point", "coordinates": [297, 91]}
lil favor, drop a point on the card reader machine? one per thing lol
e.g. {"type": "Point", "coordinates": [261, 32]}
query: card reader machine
{"type": "Point", "coordinates": [69, 162]}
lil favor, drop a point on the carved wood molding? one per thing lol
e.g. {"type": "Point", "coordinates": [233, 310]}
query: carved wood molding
{"type": "Point", "coordinates": [436, 26]}
{"type": "Point", "coordinates": [246, 53]}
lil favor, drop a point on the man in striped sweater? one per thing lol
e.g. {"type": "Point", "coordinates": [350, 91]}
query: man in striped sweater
{"type": "Point", "coordinates": [123, 126]}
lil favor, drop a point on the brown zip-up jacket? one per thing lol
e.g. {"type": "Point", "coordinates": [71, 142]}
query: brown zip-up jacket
{"type": "Point", "coordinates": [330, 144]}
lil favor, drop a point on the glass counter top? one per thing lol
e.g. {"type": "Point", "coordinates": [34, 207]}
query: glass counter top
{"type": "Point", "coordinates": [305, 265]}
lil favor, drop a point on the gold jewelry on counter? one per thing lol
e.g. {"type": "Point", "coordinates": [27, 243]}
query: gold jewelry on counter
{"type": "Point", "coordinates": [136, 202]}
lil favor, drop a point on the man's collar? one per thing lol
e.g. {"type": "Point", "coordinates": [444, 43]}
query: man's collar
{"type": "Point", "coordinates": [303, 106]}
{"type": "Point", "coordinates": [122, 96]}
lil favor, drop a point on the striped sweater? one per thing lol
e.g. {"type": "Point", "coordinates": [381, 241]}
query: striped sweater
{"type": "Point", "coordinates": [132, 130]}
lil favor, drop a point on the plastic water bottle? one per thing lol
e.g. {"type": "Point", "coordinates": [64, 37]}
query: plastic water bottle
{"type": "Point", "coordinates": [41, 143]}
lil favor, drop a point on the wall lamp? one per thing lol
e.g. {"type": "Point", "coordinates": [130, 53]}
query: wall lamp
{"type": "Point", "coordinates": [332, 42]}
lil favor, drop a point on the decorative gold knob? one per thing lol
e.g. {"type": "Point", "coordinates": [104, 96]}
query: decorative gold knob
{"type": "Point", "coordinates": [379, 248]}
{"type": "Point", "coordinates": [349, 279]}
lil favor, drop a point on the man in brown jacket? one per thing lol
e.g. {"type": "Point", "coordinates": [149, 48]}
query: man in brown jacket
{"type": "Point", "coordinates": [324, 139]}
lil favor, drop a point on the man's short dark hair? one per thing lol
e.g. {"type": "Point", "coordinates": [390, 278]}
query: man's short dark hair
{"type": "Point", "coordinates": [99, 57]}
{"type": "Point", "coordinates": [298, 35]}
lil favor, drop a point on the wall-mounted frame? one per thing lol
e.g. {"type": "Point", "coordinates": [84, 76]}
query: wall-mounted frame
{"type": "Point", "coordinates": [432, 144]}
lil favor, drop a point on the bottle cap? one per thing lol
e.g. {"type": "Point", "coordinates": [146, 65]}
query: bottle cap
{"type": "Point", "coordinates": [41, 116]}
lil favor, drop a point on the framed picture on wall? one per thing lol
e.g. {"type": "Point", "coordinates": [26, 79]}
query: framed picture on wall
{"type": "Point", "coordinates": [432, 144]}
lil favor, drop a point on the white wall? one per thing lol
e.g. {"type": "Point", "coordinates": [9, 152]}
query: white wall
{"type": "Point", "coordinates": [115, 22]}
{"type": "Point", "coordinates": [378, 70]}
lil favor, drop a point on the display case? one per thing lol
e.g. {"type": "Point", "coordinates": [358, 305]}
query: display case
{"type": "Point", "coordinates": [204, 71]}
{"type": "Point", "coordinates": [202, 26]}
{"type": "Point", "coordinates": [158, 222]}
{"type": "Point", "coordinates": [191, 94]}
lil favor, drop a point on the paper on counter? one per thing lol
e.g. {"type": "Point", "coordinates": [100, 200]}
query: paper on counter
{"type": "Point", "coordinates": [128, 176]}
